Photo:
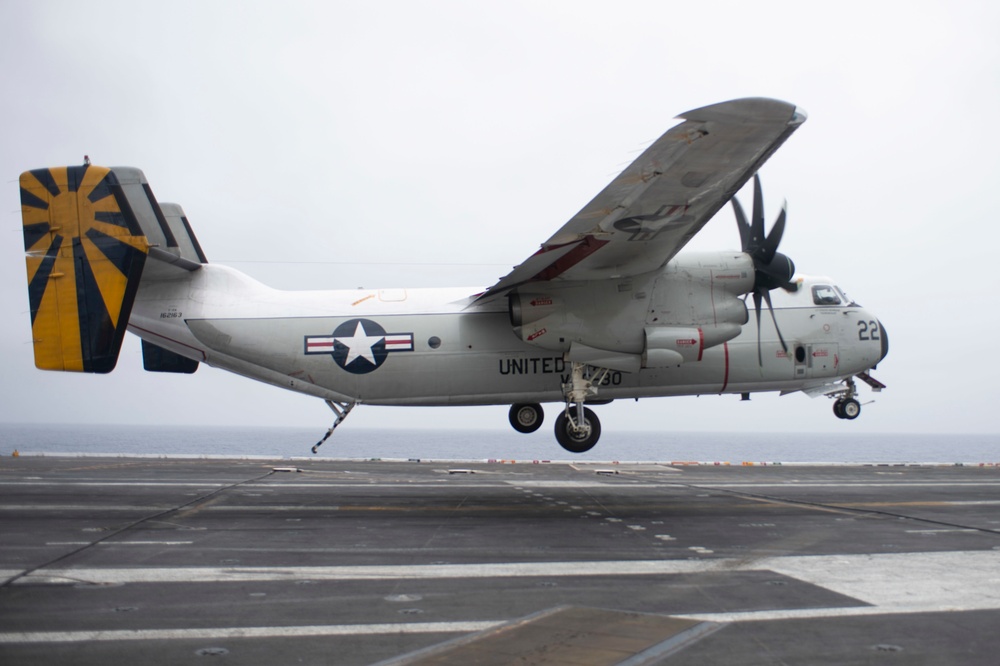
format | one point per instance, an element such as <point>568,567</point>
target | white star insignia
<point>360,345</point>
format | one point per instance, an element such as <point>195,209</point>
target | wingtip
<point>748,108</point>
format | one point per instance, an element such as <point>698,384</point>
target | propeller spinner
<point>772,269</point>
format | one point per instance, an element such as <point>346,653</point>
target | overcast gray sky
<point>438,143</point>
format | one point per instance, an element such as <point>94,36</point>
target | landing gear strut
<point>341,409</point>
<point>847,405</point>
<point>578,428</point>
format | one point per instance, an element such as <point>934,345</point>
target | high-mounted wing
<point>661,200</point>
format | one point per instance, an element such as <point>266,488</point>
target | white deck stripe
<point>890,583</point>
<point>281,486</point>
<point>850,484</point>
<point>859,576</point>
<point>812,613</point>
<point>377,572</point>
<point>623,481</point>
<point>893,583</point>
<point>245,632</point>
<point>141,484</point>
<point>284,508</point>
<point>90,508</point>
<point>119,543</point>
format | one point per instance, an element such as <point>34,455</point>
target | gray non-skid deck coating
<point>173,561</point>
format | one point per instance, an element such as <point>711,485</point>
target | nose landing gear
<point>847,408</point>
<point>846,405</point>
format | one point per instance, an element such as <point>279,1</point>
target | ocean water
<point>504,444</point>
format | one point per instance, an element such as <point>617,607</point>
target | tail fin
<point>88,232</point>
<point>85,253</point>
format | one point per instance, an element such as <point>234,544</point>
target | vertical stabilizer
<point>85,252</point>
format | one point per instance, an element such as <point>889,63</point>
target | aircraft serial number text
<point>548,366</point>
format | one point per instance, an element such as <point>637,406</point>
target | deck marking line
<point>244,632</point>
<point>120,543</point>
<point>892,583</point>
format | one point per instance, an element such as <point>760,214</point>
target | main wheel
<point>851,409</point>
<point>576,442</point>
<point>838,408</point>
<point>526,417</point>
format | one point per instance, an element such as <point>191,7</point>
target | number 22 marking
<point>868,330</point>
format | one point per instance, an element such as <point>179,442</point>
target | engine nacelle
<point>702,289</point>
<point>528,308</point>
<point>601,314</point>
<point>654,320</point>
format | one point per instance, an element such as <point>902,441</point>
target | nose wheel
<point>847,408</point>
<point>846,405</point>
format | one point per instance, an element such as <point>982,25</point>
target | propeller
<point>772,269</point>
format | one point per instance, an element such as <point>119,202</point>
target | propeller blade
<point>742,224</point>
<point>772,269</point>
<point>757,223</point>
<point>756,307</point>
<point>767,298</point>
<point>770,245</point>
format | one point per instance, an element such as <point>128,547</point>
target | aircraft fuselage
<point>430,347</point>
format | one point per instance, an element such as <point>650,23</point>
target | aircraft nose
<point>885,341</point>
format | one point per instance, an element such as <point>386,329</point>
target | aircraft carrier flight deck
<point>323,561</point>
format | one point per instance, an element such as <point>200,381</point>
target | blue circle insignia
<point>359,346</point>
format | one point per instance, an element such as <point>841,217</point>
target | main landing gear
<point>577,432</point>
<point>577,427</point>
<point>526,418</point>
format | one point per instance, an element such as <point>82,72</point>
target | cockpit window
<point>824,294</point>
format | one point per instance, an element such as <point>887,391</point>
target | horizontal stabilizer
<point>85,252</point>
<point>164,225</point>
<point>187,244</point>
<point>158,359</point>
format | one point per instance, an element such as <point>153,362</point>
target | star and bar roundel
<point>359,346</point>
<point>84,252</point>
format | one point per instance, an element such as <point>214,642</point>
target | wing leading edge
<point>660,201</point>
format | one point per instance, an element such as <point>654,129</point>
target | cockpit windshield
<point>824,294</point>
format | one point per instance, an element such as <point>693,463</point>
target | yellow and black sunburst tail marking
<point>85,253</point>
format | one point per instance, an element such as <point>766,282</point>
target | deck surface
<point>169,561</point>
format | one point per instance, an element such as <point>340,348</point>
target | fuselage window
<point>825,295</point>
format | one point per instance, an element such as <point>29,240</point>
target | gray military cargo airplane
<point>605,309</point>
